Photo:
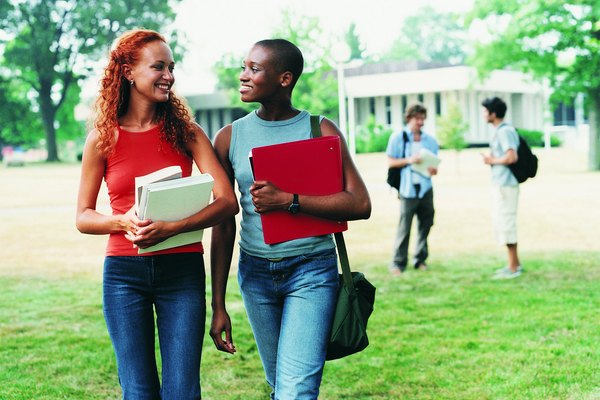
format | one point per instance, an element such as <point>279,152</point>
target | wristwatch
<point>295,206</point>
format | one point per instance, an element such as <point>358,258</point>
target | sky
<point>214,28</point>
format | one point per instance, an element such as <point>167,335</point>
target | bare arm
<point>221,251</point>
<point>351,203</point>
<point>88,220</point>
<point>509,157</point>
<point>223,206</point>
<point>403,162</point>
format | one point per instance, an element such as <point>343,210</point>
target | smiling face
<point>259,79</point>
<point>153,72</point>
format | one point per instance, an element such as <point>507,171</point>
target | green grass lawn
<point>447,333</point>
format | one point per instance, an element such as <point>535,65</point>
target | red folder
<point>310,167</point>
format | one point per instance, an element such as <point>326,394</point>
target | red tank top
<point>136,154</point>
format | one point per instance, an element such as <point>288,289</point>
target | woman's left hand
<point>268,197</point>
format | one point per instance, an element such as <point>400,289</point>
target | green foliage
<point>558,41</point>
<point>550,39</point>
<point>51,45</point>
<point>451,129</point>
<point>430,36</point>
<point>19,126</point>
<point>67,126</point>
<point>536,138</point>
<point>316,87</point>
<point>227,70</point>
<point>372,137</point>
<point>357,49</point>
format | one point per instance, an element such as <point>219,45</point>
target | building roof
<point>433,79</point>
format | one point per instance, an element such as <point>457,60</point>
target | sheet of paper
<point>428,159</point>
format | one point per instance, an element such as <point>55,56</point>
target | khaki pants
<point>505,201</point>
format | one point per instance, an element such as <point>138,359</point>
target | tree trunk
<point>48,113</point>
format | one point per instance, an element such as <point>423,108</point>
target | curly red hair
<point>173,115</point>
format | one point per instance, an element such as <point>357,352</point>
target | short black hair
<point>287,56</point>
<point>495,105</point>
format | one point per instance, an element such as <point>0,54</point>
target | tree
<point>357,49</point>
<point>18,123</point>
<point>430,36</point>
<point>451,129</point>
<point>314,91</point>
<point>50,44</point>
<point>556,40</point>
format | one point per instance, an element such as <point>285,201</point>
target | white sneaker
<point>506,269</point>
<point>507,274</point>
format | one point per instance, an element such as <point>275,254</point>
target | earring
<point>131,82</point>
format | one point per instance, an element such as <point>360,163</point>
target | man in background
<point>416,191</point>
<point>505,187</point>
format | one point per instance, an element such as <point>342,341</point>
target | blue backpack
<point>527,162</point>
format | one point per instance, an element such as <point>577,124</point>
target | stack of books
<point>165,196</point>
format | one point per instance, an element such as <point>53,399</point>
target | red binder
<point>310,167</point>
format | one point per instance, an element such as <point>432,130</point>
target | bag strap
<point>404,140</point>
<point>343,255</point>
<point>315,132</point>
<point>315,126</point>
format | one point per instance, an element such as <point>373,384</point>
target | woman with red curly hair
<point>140,127</point>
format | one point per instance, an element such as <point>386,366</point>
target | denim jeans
<point>173,285</point>
<point>290,303</point>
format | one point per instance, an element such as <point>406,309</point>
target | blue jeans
<point>173,285</point>
<point>290,304</point>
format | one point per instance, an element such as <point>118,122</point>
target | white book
<point>173,200</point>
<point>428,159</point>
<point>163,174</point>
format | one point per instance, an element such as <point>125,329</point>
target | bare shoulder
<point>329,128</point>
<point>223,137</point>
<point>199,132</point>
<point>93,136</point>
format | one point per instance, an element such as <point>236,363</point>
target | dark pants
<point>423,209</point>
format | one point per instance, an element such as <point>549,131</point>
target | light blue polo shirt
<point>394,149</point>
<point>504,139</point>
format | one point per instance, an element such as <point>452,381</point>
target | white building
<point>384,90</point>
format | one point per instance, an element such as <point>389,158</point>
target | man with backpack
<point>406,150</point>
<point>505,186</point>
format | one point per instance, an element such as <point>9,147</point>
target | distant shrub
<point>536,138</point>
<point>451,129</point>
<point>372,137</point>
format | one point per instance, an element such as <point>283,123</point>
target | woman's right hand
<point>221,323</point>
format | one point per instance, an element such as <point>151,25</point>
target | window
<point>372,105</point>
<point>564,114</point>
<point>388,109</point>
<point>438,104</point>
<point>421,97</point>
<point>404,103</point>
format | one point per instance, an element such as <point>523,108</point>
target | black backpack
<point>393,176</point>
<point>527,162</point>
